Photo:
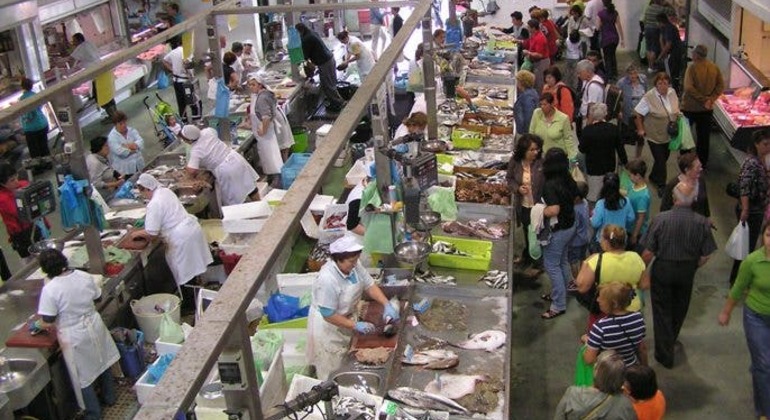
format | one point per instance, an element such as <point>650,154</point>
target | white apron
<point>267,145</point>
<point>235,179</point>
<point>187,252</point>
<point>88,350</point>
<point>327,344</point>
<point>283,129</point>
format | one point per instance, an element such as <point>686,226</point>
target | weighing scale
<point>36,201</point>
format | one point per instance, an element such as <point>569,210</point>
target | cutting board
<point>372,312</point>
<point>22,338</point>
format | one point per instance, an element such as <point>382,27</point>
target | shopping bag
<point>527,64</point>
<point>577,174</point>
<point>738,243</point>
<point>676,141</point>
<point>222,103</point>
<point>688,143</point>
<point>584,373</point>
<point>535,251</point>
<point>282,307</point>
<point>170,331</point>
<point>163,80</point>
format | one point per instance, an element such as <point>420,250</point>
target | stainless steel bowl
<point>38,247</point>
<point>411,252</point>
<point>433,146</point>
<point>430,219</point>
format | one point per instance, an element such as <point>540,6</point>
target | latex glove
<point>389,313</point>
<point>364,327</point>
<point>36,327</point>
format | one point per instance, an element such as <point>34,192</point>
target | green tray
<point>466,139</point>
<point>442,159</point>
<point>480,254</point>
<point>292,323</point>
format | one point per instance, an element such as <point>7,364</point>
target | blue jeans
<point>93,407</point>
<point>757,329</point>
<point>556,264</point>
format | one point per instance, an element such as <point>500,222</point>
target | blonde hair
<point>618,295</point>
<point>526,78</point>
<point>615,236</point>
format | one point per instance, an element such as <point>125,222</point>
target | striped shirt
<point>620,333</point>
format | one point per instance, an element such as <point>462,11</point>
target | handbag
<point>672,128</point>
<point>733,189</point>
<point>588,299</point>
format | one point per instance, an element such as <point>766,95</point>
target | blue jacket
<point>525,106</point>
<point>33,120</point>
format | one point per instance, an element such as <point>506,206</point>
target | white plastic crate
<point>302,384</point>
<point>166,348</point>
<point>356,174</point>
<point>294,284</point>
<point>330,235</point>
<point>237,243</point>
<point>245,218</point>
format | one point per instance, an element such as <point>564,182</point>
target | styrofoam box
<point>162,347</point>
<point>245,218</point>
<point>327,236</point>
<point>318,205</point>
<point>294,345</point>
<point>237,243</point>
<point>356,174</point>
<point>143,388</point>
<point>302,384</point>
<point>294,284</point>
<point>442,178</point>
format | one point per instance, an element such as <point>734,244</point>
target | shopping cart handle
<point>145,101</point>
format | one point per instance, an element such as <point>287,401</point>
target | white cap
<point>248,42</point>
<point>346,243</point>
<point>191,132</point>
<point>148,181</point>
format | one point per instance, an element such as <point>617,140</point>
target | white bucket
<point>149,319</point>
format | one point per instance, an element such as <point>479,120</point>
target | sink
<point>167,159</point>
<point>360,381</point>
<point>26,374</point>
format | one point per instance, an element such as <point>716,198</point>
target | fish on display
<point>353,408</point>
<point>441,247</point>
<point>420,399</point>
<point>488,340</point>
<point>437,359</point>
<point>495,279</point>
<point>454,386</point>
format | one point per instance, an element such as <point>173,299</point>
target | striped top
<point>620,333</point>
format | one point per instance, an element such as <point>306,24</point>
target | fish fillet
<point>454,386</point>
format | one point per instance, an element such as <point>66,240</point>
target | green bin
<point>300,139</point>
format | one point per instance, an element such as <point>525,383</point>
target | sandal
<point>551,314</point>
<point>546,297</point>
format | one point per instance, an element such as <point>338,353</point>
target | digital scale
<point>36,200</point>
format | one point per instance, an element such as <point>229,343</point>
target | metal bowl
<point>433,146</point>
<point>411,252</point>
<point>38,247</point>
<point>430,219</point>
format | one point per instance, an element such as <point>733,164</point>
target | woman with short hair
<point>600,142</point>
<point>553,126</point>
<point>126,146</point>
<point>563,100</point>
<point>526,100</point>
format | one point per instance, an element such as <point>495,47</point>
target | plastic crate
<point>491,57</point>
<point>479,259</point>
<point>446,163</point>
<point>467,139</point>
<point>292,323</point>
<point>292,168</point>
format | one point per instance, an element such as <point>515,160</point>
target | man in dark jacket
<point>317,53</point>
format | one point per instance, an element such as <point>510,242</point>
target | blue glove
<point>364,327</point>
<point>389,313</point>
<point>36,327</point>
<point>473,108</point>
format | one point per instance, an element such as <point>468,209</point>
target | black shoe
<point>668,364</point>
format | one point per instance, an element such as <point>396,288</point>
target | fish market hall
<point>398,209</point>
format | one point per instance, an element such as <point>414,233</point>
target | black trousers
<point>5,272</point>
<point>110,107</point>
<point>525,219</point>
<point>21,241</point>
<point>611,60</point>
<point>660,154</point>
<point>701,123</point>
<point>37,143</point>
<point>670,292</point>
<point>181,103</point>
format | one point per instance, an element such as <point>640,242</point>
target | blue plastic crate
<point>292,168</point>
<point>490,57</point>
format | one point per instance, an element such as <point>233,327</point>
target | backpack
<point>613,98</point>
<point>575,100</point>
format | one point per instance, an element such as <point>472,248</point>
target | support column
<point>429,76</point>
<point>212,33</point>
<point>378,110</point>
<point>237,363</point>
<point>70,125</point>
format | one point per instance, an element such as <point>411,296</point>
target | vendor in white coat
<point>357,52</point>
<point>187,252</point>
<point>266,124</point>
<point>236,180</point>
<point>88,349</point>
<point>336,292</point>
<point>126,146</point>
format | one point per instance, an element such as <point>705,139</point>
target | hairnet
<point>148,181</point>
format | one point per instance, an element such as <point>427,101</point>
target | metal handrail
<point>179,386</point>
<point>318,7</point>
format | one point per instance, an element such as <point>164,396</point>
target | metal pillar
<point>64,104</point>
<point>429,75</point>
<point>212,33</point>
<point>244,396</point>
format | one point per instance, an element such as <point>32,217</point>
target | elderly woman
<point>336,292</point>
<point>100,173</point>
<point>235,179</point>
<point>552,126</point>
<point>525,181</point>
<point>600,143</point>
<point>605,400</point>
<point>126,146</point>
<point>657,108</point>
<point>633,85</point>
<point>526,100</point>
<point>563,100</point>
<point>187,252</point>
<point>262,113</point>
<point>88,349</point>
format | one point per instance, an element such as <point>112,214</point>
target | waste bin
<point>300,139</point>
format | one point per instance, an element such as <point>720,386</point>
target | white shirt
<point>593,7</point>
<point>365,57</point>
<point>593,93</point>
<point>238,67</point>
<point>643,107</point>
<point>86,54</point>
<point>208,151</point>
<point>164,212</point>
<point>330,283</point>
<point>123,159</point>
<point>69,296</point>
<point>175,58</point>
<point>574,51</point>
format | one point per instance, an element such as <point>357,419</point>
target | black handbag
<point>672,129</point>
<point>733,189</point>
<point>589,298</point>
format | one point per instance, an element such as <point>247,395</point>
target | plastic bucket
<point>300,139</point>
<point>149,319</point>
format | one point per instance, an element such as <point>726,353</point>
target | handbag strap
<point>598,272</point>
<point>596,408</point>
<point>663,104</point>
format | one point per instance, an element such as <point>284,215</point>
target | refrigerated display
<point>745,106</point>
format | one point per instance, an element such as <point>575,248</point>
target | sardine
<point>488,340</point>
<point>454,386</point>
<point>420,399</point>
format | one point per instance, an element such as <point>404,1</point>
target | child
<point>641,386</point>
<point>573,55</point>
<point>639,196</point>
<point>173,124</point>
<point>579,244</point>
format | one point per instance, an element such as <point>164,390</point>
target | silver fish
<point>433,359</point>
<point>420,399</point>
<point>488,340</point>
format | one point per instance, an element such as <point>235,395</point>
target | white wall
<point>245,28</point>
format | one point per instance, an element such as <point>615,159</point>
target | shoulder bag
<point>588,299</point>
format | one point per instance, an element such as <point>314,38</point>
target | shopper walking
<point>652,32</point>
<point>173,62</point>
<point>126,146</point>
<point>262,118</point>
<point>526,101</point>
<point>691,172</point>
<point>600,142</point>
<point>525,181</point>
<point>642,388</point>
<point>612,208</point>
<point>680,240</point>
<point>621,330</point>
<point>703,84</point>
<point>633,85</point>
<point>379,34</point>
<point>753,282</point>
<point>35,127</point>
<point>553,126</point>
<point>316,52</point>
<point>672,48</point>
<point>611,35</point>
<point>562,93</point>
<point>85,55</point>
<point>591,91</point>
<point>538,52</point>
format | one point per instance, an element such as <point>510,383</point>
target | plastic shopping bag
<point>282,307</point>
<point>443,201</point>
<point>535,251</point>
<point>738,243</point>
<point>688,143</point>
<point>222,102</point>
<point>577,174</point>
<point>163,80</point>
<point>584,373</point>
<point>170,331</point>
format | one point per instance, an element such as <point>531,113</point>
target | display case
<point>745,106</point>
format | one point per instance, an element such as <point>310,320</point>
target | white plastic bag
<point>737,245</point>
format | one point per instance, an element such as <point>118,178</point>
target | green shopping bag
<point>584,373</point>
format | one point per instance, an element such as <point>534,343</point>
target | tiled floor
<point>126,405</point>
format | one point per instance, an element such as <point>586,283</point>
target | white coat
<point>267,145</point>
<point>187,252</point>
<point>86,344</point>
<point>327,344</point>
<point>283,129</point>
<point>235,177</point>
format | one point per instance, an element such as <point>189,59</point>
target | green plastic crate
<point>443,159</point>
<point>292,323</point>
<point>466,139</point>
<point>480,254</point>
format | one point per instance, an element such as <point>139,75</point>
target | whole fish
<point>420,399</point>
<point>455,386</point>
<point>433,359</point>
<point>488,340</point>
